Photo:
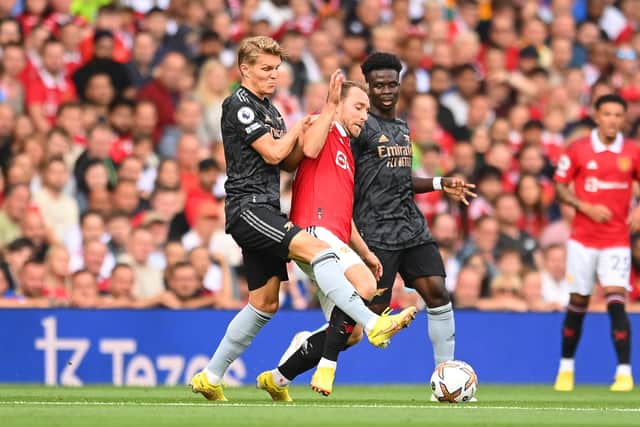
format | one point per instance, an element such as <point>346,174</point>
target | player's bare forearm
<point>275,151</point>
<point>293,160</point>
<point>566,196</point>
<point>315,136</point>
<point>422,185</point>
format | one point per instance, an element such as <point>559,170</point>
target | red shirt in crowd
<point>323,187</point>
<point>50,92</point>
<point>601,175</point>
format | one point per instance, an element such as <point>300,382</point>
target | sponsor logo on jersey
<point>592,165</point>
<point>341,160</point>
<point>624,164</point>
<point>246,115</point>
<point>593,185</point>
<point>383,139</point>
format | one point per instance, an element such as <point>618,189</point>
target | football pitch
<point>351,406</point>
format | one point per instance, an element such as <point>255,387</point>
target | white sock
<point>280,379</point>
<point>623,369</point>
<point>326,363</point>
<point>442,332</point>
<point>240,332</point>
<point>330,278</point>
<point>370,325</point>
<point>213,378</point>
<point>566,365</point>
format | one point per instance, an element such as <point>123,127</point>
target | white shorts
<point>608,266</point>
<point>348,258</point>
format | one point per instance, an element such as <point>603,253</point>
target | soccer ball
<point>454,381</point>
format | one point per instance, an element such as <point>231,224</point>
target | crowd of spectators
<point>112,167</point>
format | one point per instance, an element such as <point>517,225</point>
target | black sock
<point>620,329</point>
<point>338,333</point>
<point>305,358</point>
<point>571,330</point>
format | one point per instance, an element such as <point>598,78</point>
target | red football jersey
<point>601,175</point>
<point>50,92</point>
<point>323,187</point>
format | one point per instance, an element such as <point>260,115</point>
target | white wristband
<point>437,183</point>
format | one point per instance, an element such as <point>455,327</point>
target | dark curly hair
<point>381,61</point>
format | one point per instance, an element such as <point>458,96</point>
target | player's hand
<point>374,264</point>
<point>598,213</point>
<point>335,87</point>
<point>634,220</point>
<point>458,190</point>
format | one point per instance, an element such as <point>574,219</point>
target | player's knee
<point>433,290</point>
<point>355,337</point>
<point>265,305</point>
<point>579,300</point>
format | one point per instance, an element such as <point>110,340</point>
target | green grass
<point>348,406</point>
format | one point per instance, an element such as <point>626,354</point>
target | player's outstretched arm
<point>597,212</point>
<point>315,136</point>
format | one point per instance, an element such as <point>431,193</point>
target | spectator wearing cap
<point>208,216</point>
<point>163,90</point>
<point>103,61</point>
<point>528,59</point>
<point>148,279</point>
<point>48,88</point>
<point>158,225</point>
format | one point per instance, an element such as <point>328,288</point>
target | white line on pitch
<point>307,405</point>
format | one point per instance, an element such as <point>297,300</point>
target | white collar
<point>599,147</point>
<point>342,131</point>
<point>51,81</point>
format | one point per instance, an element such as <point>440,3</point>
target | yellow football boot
<point>266,382</point>
<point>564,381</point>
<point>388,325</point>
<point>200,384</point>
<point>322,380</point>
<point>622,383</point>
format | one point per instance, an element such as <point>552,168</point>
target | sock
<point>325,363</point>
<point>571,330</point>
<point>280,379</point>
<point>338,333</point>
<point>442,332</point>
<point>566,365</point>
<point>240,332</point>
<point>305,358</point>
<point>331,280</point>
<point>624,369</point>
<point>620,328</point>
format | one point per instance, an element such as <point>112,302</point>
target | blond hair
<point>348,84</point>
<point>251,47</point>
<point>202,91</point>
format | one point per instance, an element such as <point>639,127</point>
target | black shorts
<point>419,261</point>
<point>264,234</point>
